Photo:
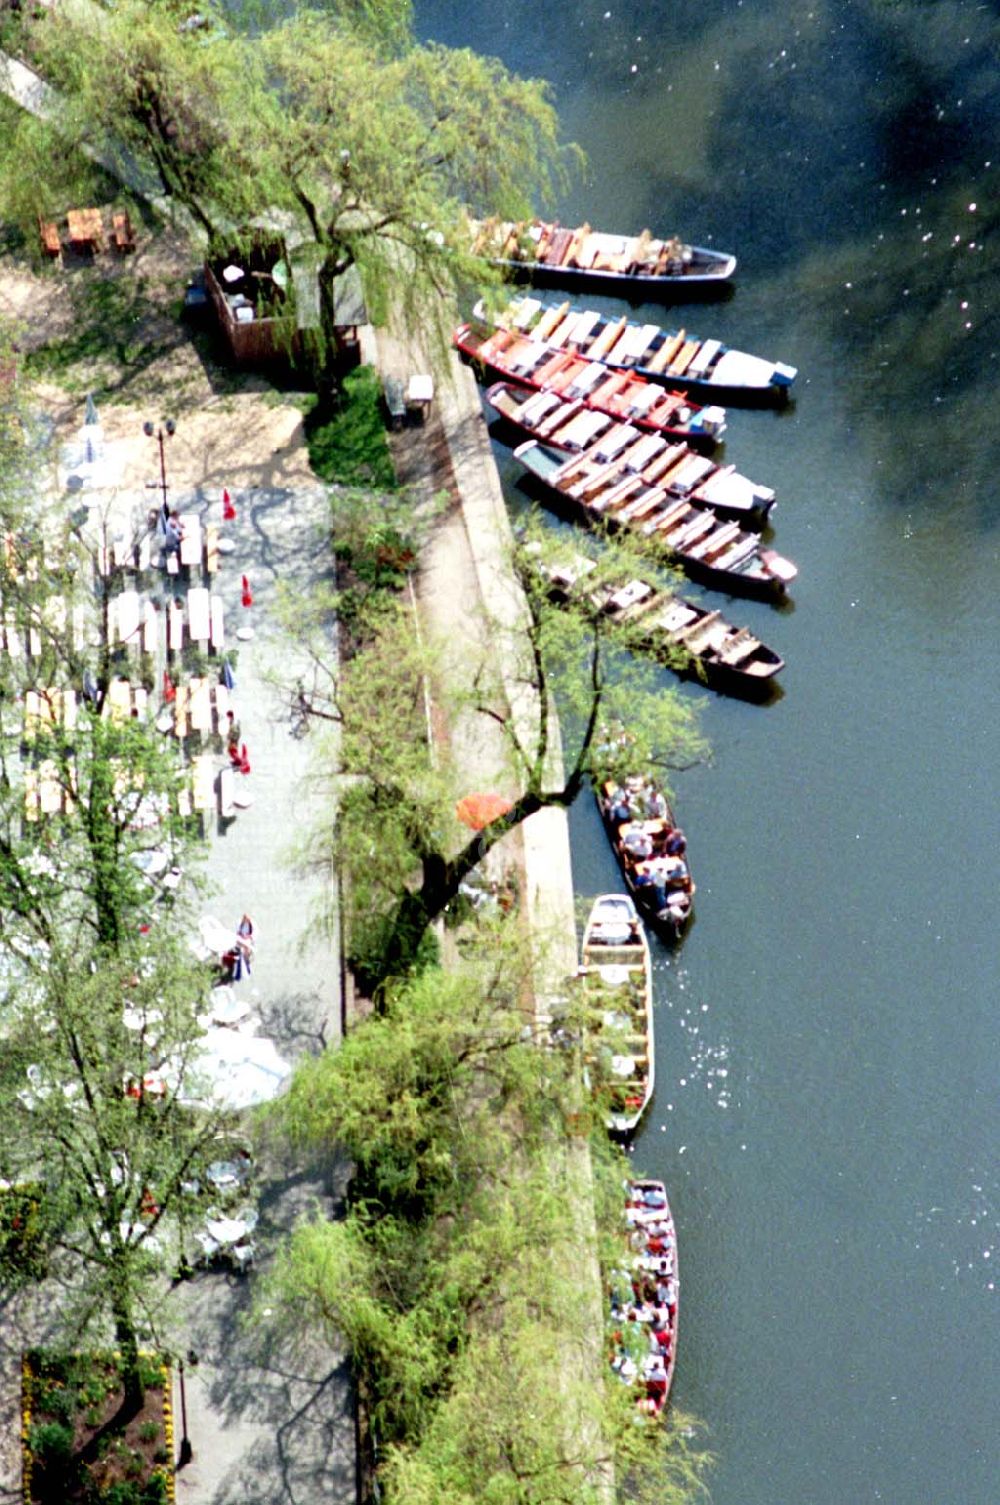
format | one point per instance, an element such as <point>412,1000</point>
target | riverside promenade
<point>470,604</point>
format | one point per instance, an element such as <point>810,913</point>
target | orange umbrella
<point>478,810</point>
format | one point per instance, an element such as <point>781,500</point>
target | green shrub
<point>155,1492</point>
<point>348,445</point>
<point>124,1492</point>
<point>59,1403</point>
<point>149,1431</point>
<point>51,1442</point>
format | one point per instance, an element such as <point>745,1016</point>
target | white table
<point>226,1231</point>
<point>199,614</point>
<point>191,540</point>
<point>128,616</point>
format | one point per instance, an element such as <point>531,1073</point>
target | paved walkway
<point>270,1419</point>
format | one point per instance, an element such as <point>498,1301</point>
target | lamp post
<point>161,433</point>
<point>186,1452</point>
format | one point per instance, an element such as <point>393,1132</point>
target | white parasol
<point>232,1070</point>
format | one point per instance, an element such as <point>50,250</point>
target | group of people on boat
<point>581,248</point>
<point>643,1305</point>
<point>652,849</point>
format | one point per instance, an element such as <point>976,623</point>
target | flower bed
<point>70,1455</point>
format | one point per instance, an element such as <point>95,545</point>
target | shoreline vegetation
<point>485,1194</point>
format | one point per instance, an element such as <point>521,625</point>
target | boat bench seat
<point>738,648</point>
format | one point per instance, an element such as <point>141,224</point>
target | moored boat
<point>681,471</point>
<point>645,1298</point>
<point>616,486</point>
<point>675,358</point>
<point>695,641</point>
<point>621,394</point>
<point>651,850</point>
<point>550,252</point>
<point>616,974</point>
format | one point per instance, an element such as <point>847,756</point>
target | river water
<point>825,1115</point>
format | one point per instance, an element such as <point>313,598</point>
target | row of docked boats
<point>546,250</point>
<point>595,387</point>
<point>569,424</point>
<point>607,413</point>
<point>674,358</point>
<point>694,640</point>
<point>644,1298</point>
<point>617,485</point>
<point>643,1292</point>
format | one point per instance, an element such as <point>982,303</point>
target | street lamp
<point>166,431</point>
<point>186,1452</point>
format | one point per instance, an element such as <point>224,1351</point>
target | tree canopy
<point>392,820</point>
<point>358,145</point>
<point>463,1277</point>
<point>97,985</point>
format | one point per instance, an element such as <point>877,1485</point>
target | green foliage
<point>459,1280</point>
<point>348,446</point>
<point>51,1442</point>
<point>371,143</point>
<point>23,1234</point>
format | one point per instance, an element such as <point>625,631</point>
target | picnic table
<point>85,228</point>
<point>190,539</point>
<point>199,613</point>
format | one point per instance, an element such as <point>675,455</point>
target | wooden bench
<point>212,548</point>
<point>48,232</point>
<point>684,359</point>
<point>661,360</point>
<point>608,337</point>
<point>121,232</point>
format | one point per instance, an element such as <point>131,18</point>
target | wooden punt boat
<point>570,426</point>
<point>651,850</point>
<point>617,978</point>
<point>675,358</point>
<point>645,1298</point>
<point>693,640</point>
<point>603,488</point>
<point>544,367</point>
<point>550,252</point>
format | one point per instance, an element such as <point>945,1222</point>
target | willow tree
<point>464,1279</point>
<point>540,692</point>
<point>96,984</point>
<point>366,148</point>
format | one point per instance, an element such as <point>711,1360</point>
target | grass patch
<point>348,445</point>
<point>112,335</point>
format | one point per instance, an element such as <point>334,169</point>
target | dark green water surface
<point>825,1115</point>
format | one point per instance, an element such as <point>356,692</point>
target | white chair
<point>208,1246</point>
<point>242,1256</point>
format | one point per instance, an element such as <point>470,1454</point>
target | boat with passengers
<point>644,1298</point>
<point>547,251</point>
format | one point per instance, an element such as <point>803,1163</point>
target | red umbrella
<point>247,592</point>
<point>479,810</point>
<point>228,510</point>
